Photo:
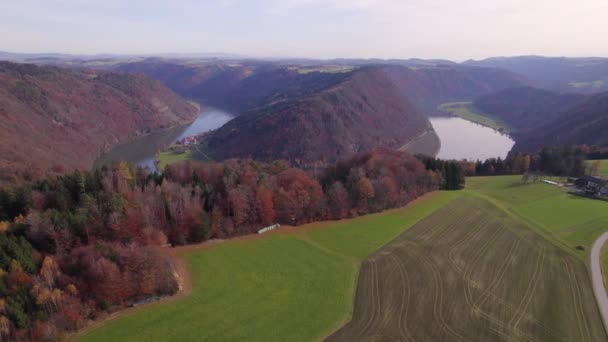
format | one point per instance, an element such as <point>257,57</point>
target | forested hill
<point>525,108</point>
<point>54,120</point>
<point>367,110</point>
<point>563,74</point>
<point>237,87</point>
<point>429,87</point>
<point>586,123</point>
<point>245,85</point>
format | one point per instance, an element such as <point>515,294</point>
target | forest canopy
<point>75,246</point>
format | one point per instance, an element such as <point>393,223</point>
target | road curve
<point>596,277</point>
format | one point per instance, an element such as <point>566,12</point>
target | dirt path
<point>597,279</point>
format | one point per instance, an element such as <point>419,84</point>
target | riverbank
<point>427,143</point>
<point>466,110</point>
<point>145,150</point>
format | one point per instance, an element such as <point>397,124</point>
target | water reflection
<point>462,139</point>
<point>142,151</point>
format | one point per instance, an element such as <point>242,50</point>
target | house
<point>191,140</point>
<point>592,185</point>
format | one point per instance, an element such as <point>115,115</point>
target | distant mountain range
<point>307,111</point>
<point>54,119</point>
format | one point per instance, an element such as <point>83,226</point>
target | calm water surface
<point>462,139</point>
<point>142,151</point>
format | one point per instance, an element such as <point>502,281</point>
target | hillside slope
<point>243,86</point>
<point>56,119</point>
<point>525,108</point>
<point>582,75</point>
<point>237,87</point>
<point>365,111</point>
<point>429,87</point>
<point>586,123</point>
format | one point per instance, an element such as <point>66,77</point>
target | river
<point>462,139</point>
<point>142,151</point>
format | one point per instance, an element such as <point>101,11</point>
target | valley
<point>145,151</point>
<point>56,120</point>
<point>303,170</point>
<point>217,149</point>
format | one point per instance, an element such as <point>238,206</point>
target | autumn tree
<point>265,206</point>
<point>595,168</point>
<point>338,200</point>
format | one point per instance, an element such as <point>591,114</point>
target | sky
<point>450,29</point>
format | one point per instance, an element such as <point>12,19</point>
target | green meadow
<point>169,157</point>
<point>299,284</point>
<point>296,286</point>
<point>603,171</point>
<point>467,111</point>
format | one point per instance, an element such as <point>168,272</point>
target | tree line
<point>75,246</point>
<point>565,161</point>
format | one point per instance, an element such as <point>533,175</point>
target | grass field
<point>605,264</point>
<point>471,272</point>
<point>299,284</point>
<point>603,167</point>
<point>296,285</point>
<point>169,157</point>
<point>567,220</point>
<point>332,69</point>
<point>466,111</point>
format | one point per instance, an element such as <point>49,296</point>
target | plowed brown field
<point>470,272</point>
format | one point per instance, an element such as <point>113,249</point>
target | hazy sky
<point>453,29</point>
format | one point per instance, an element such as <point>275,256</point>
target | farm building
<point>592,185</point>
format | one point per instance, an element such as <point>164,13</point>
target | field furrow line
<point>529,294</point>
<point>438,313</point>
<point>577,300</point>
<point>405,299</point>
<point>501,273</point>
<point>556,335</point>
<point>472,233</point>
<point>468,291</point>
<point>373,295</point>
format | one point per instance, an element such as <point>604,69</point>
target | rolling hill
<point>366,110</point>
<point>525,107</point>
<point>585,123</point>
<point>429,87</point>
<point>237,87</point>
<point>358,110</point>
<point>583,75</point>
<point>54,119</point>
<point>245,85</point>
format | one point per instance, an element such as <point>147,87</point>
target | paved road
<point>597,279</point>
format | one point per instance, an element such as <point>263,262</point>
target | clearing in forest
<point>470,272</point>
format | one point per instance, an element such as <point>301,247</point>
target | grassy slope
<point>466,111</point>
<point>603,167</point>
<point>475,265</point>
<point>169,157</point>
<point>297,285</point>
<point>568,220</point>
<point>605,264</point>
